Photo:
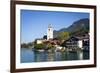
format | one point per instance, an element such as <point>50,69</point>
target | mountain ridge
<point>78,27</point>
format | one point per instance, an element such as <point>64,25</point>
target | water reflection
<point>33,56</point>
<point>80,55</point>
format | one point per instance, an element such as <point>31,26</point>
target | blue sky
<point>34,23</point>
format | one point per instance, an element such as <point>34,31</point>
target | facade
<point>49,32</point>
<point>39,41</point>
<point>80,43</point>
<point>72,43</point>
<point>77,42</point>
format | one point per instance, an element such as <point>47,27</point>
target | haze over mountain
<point>78,27</point>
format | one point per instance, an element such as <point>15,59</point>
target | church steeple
<point>49,32</point>
<point>49,26</point>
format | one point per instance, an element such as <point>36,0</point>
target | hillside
<point>78,27</point>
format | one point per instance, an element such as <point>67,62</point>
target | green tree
<point>39,46</point>
<point>63,36</point>
<point>24,45</point>
<point>50,46</point>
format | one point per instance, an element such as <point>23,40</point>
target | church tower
<point>49,32</point>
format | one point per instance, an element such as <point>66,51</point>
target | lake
<point>29,55</point>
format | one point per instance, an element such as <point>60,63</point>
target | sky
<point>34,23</point>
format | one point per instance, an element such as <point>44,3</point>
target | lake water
<point>28,55</point>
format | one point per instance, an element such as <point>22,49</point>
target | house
<point>72,42</point>
<point>77,42</point>
<point>85,40</point>
<point>39,41</point>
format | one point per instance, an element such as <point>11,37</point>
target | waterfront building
<point>39,41</point>
<point>77,42</point>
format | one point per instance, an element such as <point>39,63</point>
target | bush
<point>50,46</point>
<point>39,46</point>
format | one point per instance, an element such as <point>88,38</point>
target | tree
<point>63,36</point>
<point>24,45</point>
<point>50,46</point>
<point>39,46</point>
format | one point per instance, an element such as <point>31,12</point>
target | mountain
<point>78,27</point>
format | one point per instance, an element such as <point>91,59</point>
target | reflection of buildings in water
<point>50,57</point>
<point>39,57</point>
<point>33,55</point>
<point>65,55</point>
<point>43,56</point>
<point>80,55</point>
<point>58,56</point>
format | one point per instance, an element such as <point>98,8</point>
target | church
<point>49,32</point>
<point>49,35</point>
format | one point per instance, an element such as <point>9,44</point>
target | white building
<point>49,32</point>
<point>80,44</point>
<point>39,41</point>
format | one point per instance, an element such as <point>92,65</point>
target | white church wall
<point>49,32</point>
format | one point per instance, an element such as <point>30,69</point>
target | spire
<point>49,32</point>
<point>49,26</point>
